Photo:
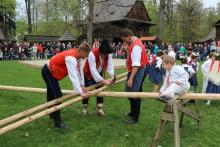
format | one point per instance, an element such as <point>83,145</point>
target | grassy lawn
<point>93,130</point>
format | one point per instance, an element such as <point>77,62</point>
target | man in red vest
<point>136,62</point>
<point>99,61</point>
<point>66,63</point>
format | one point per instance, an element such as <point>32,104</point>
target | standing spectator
<point>182,49</point>
<point>95,44</point>
<point>156,48</point>
<point>62,47</point>
<point>40,51</point>
<point>34,51</point>
<point>163,46</point>
<point>69,45</point>
<point>124,48</point>
<point>212,47</point>
<point>114,50</point>
<point>171,52</point>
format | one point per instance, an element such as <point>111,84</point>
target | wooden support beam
<point>51,110</point>
<point>188,112</point>
<point>176,126</point>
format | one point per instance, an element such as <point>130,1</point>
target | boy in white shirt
<point>176,80</point>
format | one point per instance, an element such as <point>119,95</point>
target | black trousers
<point>90,83</point>
<point>53,90</point>
<point>135,103</point>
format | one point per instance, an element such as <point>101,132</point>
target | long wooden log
<point>50,110</point>
<point>40,66</point>
<point>42,90</point>
<point>48,104</point>
<point>34,109</point>
<point>151,95</point>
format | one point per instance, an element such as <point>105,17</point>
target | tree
<point>7,17</point>
<point>190,12</point>
<point>28,10</point>
<point>90,21</point>
<point>161,18</point>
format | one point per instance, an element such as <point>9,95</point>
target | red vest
<point>138,42</point>
<point>57,63</point>
<point>97,60</point>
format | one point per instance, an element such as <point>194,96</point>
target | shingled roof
<point>40,38</point>
<point>114,10</point>
<point>210,37</point>
<point>217,23</point>
<point>67,37</point>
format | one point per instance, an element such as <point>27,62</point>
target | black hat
<point>105,47</point>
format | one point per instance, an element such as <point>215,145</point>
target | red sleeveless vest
<point>86,68</point>
<point>138,42</point>
<point>57,63</point>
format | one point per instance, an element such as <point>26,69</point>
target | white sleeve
<point>71,65</point>
<point>159,63</point>
<point>183,75</point>
<point>191,70</point>
<point>110,67</point>
<point>81,74</point>
<point>92,64</point>
<point>205,67</point>
<point>136,56</point>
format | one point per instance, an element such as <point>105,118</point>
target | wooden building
<point>214,35</point>
<point>217,35</point>
<point>111,16</point>
<point>41,38</point>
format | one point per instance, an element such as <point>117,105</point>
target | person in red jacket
<point>99,61</point>
<point>136,63</point>
<point>59,66</point>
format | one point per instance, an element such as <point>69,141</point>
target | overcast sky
<point>210,3</point>
<point>207,3</point>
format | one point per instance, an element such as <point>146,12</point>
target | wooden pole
<point>42,90</point>
<point>50,110</point>
<point>152,95</point>
<point>45,105</point>
<point>40,66</point>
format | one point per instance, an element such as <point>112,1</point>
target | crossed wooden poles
<point>170,113</point>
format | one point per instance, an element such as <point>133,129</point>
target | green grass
<point>93,130</point>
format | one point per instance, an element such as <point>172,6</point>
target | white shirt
<point>177,73</point>
<point>136,55</point>
<point>96,73</point>
<point>76,75</point>
<point>205,67</point>
<point>159,62</point>
<point>34,49</point>
<point>172,54</point>
<point>190,69</point>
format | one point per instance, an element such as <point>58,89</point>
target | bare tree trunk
<point>161,18</point>
<point>90,21</point>
<point>55,4</point>
<point>33,14</point>
<point>36,18</point>
<point>47,15</point>
<point>28,10</point>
